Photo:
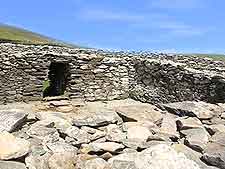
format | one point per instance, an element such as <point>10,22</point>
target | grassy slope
<point>18,35</point>
<point>213,56</point>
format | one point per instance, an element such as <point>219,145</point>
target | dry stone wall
<point>163,81</point>
<point>102,75</point>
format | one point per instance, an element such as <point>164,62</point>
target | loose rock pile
<point>115,135</point>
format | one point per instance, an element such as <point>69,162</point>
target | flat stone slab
<point>97,119</point>
<point>12,147</point>
<point>11,119</point>
<point>201,110</point>
<point>139,113</point>
<point>11,165</point>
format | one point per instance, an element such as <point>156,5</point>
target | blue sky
<point>155,25</point>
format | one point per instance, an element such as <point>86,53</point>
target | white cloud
<point>145,21</point>
<point>106,15</point>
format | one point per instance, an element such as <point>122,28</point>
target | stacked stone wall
<point>103,75</point>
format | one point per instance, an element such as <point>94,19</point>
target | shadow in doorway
<point>58,79</point>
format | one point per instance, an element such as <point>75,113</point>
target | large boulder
<point>196,138</point>
<point>11,119</point>
<point>12,147</point>
<point>140,113</point>
<point>191,154</point>
<point>201,110</point>
<point>157,157</point>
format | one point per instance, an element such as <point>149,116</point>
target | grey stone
<point>218,138</point>
<point>212,129</point>
<point>37,161</point>
<point>118,164</point>
<point>97,119</point>
<point>60,147</point>
<point>114,133</point>
<point>79,136</point>
<point>191,154</point>
<point>105,147</point>
<point>196,138</point>
<point>65,160</point>
<point>201,110</point>
<point>40,131</point>
<point>140,113</point>
<point>11,165</point>
<point>97,163</point>
<point>188,123</point>
<point>11,119</point>
<point>159,156</point>
<point>214,155</point>
<point>169,126</point>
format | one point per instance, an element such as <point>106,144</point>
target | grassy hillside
<point>18,35</point>
<point>213,56</point>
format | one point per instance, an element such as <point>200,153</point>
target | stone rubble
<point>109,139</point>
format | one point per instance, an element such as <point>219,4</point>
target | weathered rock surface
<point>107,146</point>
<point>139,133</point>
<point>138,113</point>
<point>98,137</point>
<point>188,123</point>
<point>114,133</point>
<point>214,154</point>
<point>60,147</point>
<point>169,126</point>
<point>196,138</point>
<point>11,165</point>
<point>41,130</point>
<point>160,156</point>
<point>77,136</point>
<point>65,160</point>
<point>34,161</point>
<point>12,147</point>
<point>11,119</point>
<point>201,110</point>
<point>97,119</point>
<point>191,154</point>
<point>96,163</point>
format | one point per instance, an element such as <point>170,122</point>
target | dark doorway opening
<point>58,79</point>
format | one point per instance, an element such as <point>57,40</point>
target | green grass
<point>218,57</point>
<point>46,84</point>
<point>18,35</point>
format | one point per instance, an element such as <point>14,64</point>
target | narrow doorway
<point>58,79</point>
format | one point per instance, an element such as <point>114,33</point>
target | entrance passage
<point>58,79</point>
